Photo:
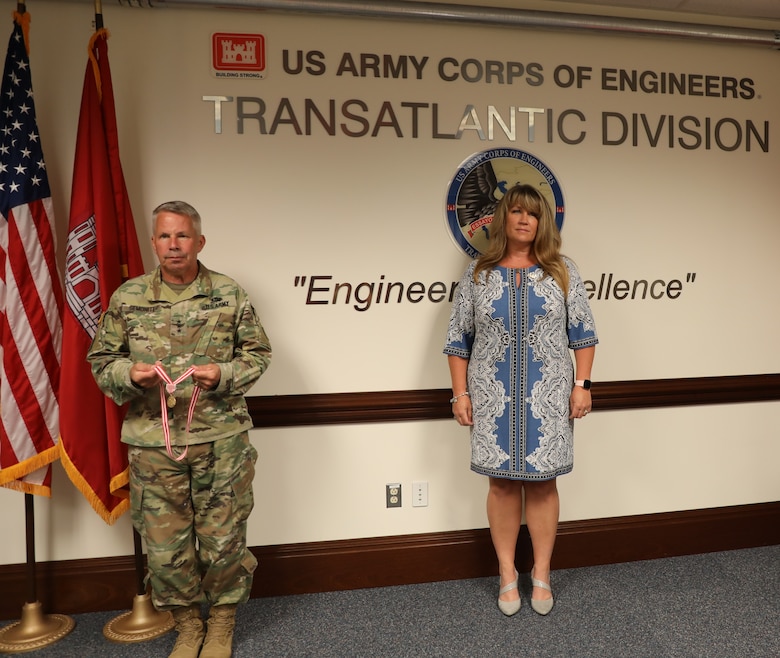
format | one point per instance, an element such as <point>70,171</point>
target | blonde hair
<point>546,247</point>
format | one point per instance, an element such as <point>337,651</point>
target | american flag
<point>30,289</point>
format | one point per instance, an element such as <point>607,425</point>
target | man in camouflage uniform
<point>191,462</point>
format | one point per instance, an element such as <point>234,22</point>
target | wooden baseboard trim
<point>104,584</point>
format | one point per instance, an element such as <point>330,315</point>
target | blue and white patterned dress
<point>520,373</point>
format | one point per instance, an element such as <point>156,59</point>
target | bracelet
<point>455,399</point>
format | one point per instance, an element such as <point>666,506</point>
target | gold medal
<point>171,401</point>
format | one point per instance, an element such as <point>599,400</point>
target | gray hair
<point>179,208</point>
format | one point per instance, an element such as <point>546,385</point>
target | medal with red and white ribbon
<point>168,399</point>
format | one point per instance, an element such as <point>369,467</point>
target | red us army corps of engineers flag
<point>102,252</point>
<point>30,292</point>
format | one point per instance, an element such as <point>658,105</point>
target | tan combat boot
<point>190,628</point>
<point>219,639</point>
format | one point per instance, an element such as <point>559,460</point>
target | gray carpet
<point>717,605</point>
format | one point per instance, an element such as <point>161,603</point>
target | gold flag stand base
<point>34,630</point>
<point>142,623</point>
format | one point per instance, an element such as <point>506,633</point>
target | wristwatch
<point>585,383</point>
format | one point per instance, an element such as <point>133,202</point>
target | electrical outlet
<point>393,494</point>
<point>419,494</point>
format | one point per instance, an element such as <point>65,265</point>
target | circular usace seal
<point>480,183</point>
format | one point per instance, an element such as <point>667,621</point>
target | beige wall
<point>279,206</point>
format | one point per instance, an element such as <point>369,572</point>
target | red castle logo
<point>238,52</point>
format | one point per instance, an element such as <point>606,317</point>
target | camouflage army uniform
<point>207,495</point>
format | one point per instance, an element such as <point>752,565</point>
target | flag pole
<point>98,15</point>
<point>34,630</point>
<point>143,622</point>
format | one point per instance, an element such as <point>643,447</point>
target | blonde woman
<point>520,309</point>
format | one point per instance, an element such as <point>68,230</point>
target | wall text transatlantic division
<point>411,119</point>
